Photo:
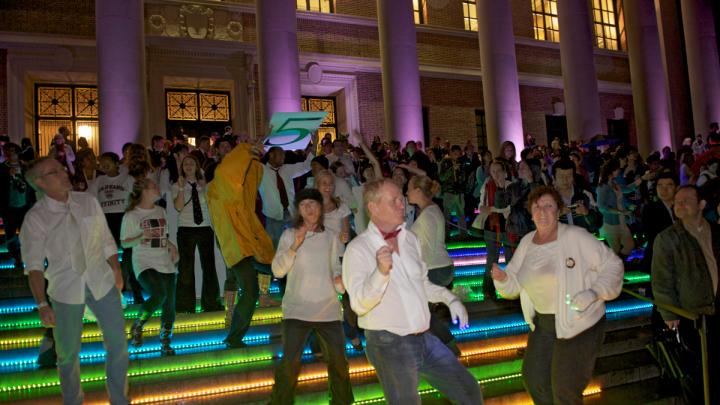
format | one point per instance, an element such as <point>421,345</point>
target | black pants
<point>242,276</point>
<point>440,318</point>
<point>556,371</point>
<point>330,334</point>
<point>13,220</point>
<point>161,287</point>
<point>131,282</point>
<point>691,337</point>
<point>114,221</point>
<point>188,239</point>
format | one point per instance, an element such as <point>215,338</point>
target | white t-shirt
<point>310,294</point>
<point>151,251</point>
<point>538,276</point>
<point>186,217</point>
<point>112,193</point>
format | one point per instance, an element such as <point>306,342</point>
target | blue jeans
<point>161,287</point>
<point>275,228</point>
<point>68,336</point>
<point>400,361</point>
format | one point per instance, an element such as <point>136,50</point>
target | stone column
<point>676,77</point>
<point>120,37</point>
<point>501,91</point>
<point>582,102</point>
<point>400,71</point>
<point>702,62</point>
<point>650,98</point>
<point>278,65</point>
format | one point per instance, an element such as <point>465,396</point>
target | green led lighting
<point>634,277</point>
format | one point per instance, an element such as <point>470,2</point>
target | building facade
<point>479,70</point>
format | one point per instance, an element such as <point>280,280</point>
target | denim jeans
<point>556,371</point>
<point>242,276</point>
<point>400,361</point>
<point>294,334</point>
<point>275,228</point>
<point>494,241</point>
<point>68,336</point>
<point>161,287</point>
<point>204,239</point>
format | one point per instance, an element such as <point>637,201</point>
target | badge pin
<point>570,262</point>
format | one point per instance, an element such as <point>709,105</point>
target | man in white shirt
<point>69,230</point>
<point>338,154</point>
<point>277,207</point>
<point>390,295</point>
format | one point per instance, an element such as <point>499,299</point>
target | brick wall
<point>360,8</point>
<point>541,60</point>
<point>608,102</point>
<point>370,105</point>
<point>448,50</point>
<point>522,18</point>
<point>451,108</point>
<point>613,69</point>
<point>449,16</point>
<point>337,39</point>
<point>3,93</point>
<point>70,17</point>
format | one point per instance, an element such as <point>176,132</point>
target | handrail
<point>668,307</point>
<point>702,331</point>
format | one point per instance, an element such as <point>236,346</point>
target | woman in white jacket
<point>563,276</point>
<point>309,255</point>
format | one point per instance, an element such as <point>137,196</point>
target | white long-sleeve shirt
<point>310,294</point>
<point>272,206</point>
<point>396,302</point>
<point>429,228</point>
<point>49,233</point>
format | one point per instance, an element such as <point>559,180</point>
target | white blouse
<point>538,276</point>
<point>310,294</point>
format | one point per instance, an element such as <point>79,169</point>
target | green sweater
<point>680,274</point>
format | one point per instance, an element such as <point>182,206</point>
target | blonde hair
<point>136,194</point>
<point>326,173</point>
<point>428,186</point>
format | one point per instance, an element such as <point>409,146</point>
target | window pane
<point>302,4</point>
<point>47,130</point>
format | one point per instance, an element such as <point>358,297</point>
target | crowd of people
<point>367,222</point>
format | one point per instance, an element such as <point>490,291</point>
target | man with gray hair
<point>69,231</point>
<point>390,295</point>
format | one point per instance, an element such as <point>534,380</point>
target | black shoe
<point>47,357</point>
<point>166,350</point>
<point>231,345</point>
<point>136,332</point>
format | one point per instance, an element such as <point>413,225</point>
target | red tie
<point>390,235</point>
<point>281,189</point>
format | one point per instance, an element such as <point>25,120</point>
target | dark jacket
<point>655,219</point>
<point>593,220</point>
<point>680,274</point>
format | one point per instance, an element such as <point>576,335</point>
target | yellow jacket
<point>231,200</point>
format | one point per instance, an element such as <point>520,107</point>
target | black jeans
<point>204,239</point>
<point>13,220</point>
<point>114,221</point>
<point>439,312</point>
<point>242,276</point>
<point>131,282</point>
<point>161,287</point>
<point>556,371</point>
<point>294,334</point>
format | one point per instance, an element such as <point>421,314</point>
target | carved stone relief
<point>193,21</point>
